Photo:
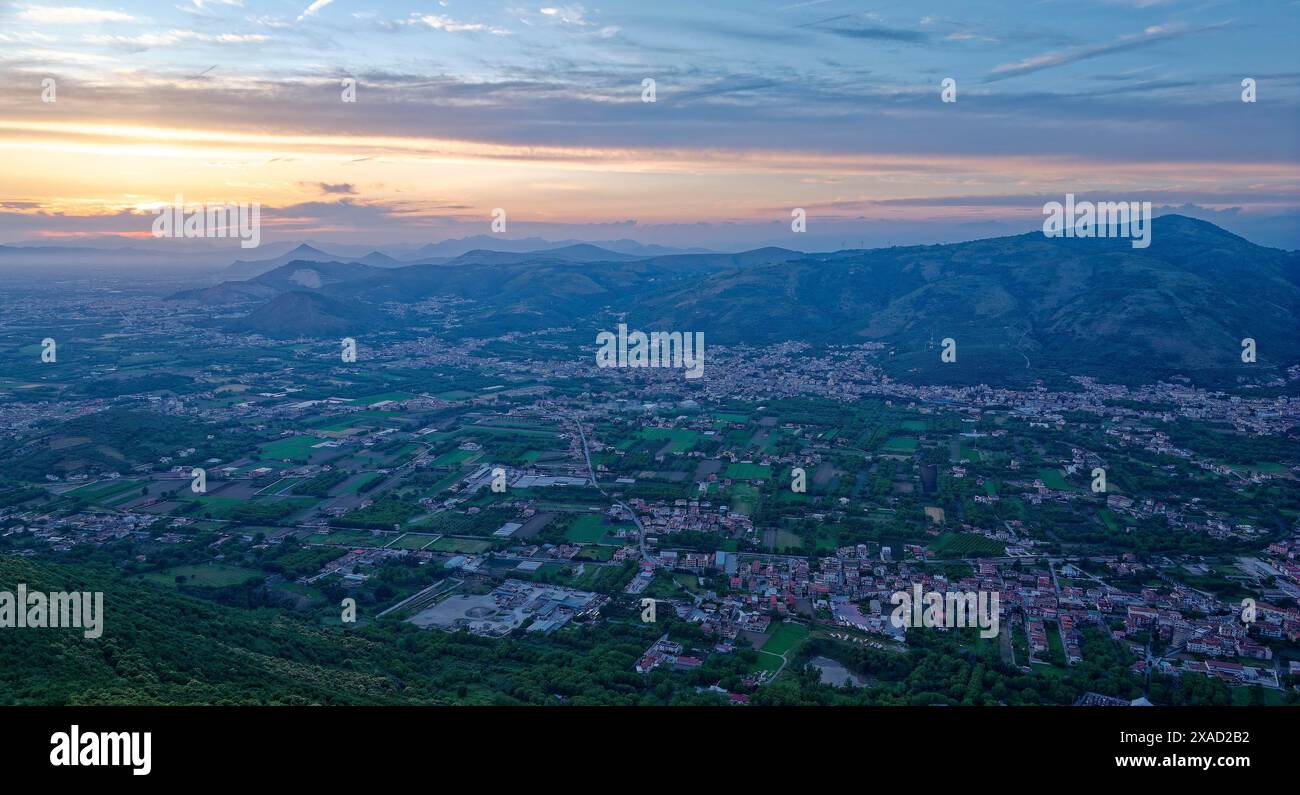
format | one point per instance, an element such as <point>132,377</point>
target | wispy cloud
<point>873,31</point>
<point>448,25</point>
<point>71,15</point>
<point>312,9</point>
<point>568,15</point>
<point>203,4</point>
<point>175,36</point>
<point>1152,35</point>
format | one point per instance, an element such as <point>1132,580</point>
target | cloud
<point>449,25</point>
<point>26,36</point>
<point>341,187</point>
<point>1152,35</point>
<point>965,36</point>
<point>174,36</point>
<point>880,33</point>
<point>311,10</point>
<point>71,15</point>
<point>202,4</point>
<point>568,15</point>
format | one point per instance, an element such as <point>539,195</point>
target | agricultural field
<point>784,637</point>
<point>1053,479</point>
<point>293,448</point>
<point>964,545</point>
<point>100,492</point>
<point>744,498</point>
<point>349,538</point>
<point>370,400</point>
<point>589,529</point>
<point>682,439</point>
<point>280,487</point>
<point>413,541</point>
<point>461,546</point>
<point>900,445</point>
<point>596,553</point>
<point>455,458</point>
<point>743,471</point>
<point>364,480</point>
<point>483,523</point>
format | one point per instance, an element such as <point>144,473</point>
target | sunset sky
<point>762,106</point>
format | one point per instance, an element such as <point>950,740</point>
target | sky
<point>761,106</point>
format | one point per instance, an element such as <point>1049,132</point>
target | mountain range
<point>205,254</point>
<point>1023,303</point>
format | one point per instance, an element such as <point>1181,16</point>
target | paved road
<point>586,452</point>
<point>1060,627</point>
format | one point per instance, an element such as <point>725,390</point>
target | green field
<point>463,546</point>
<point>349,538</point>
<point>916,426</point>
<point>337,425</point>
<point>767,662</point>
<point>294,448</point>
<point>445,482</point>
<point>97,492</point>
<point>900,444</point>
<point>588,529</point>
<point>784,638</point>
<point>496,430</point>
<point>454,457</point>
<point>592,552</point>
<point>1053,479</point>
<point>747,472</point>
<point>257,509</point>
<point>281,486</point>
<point>743,498</point>
<point>412,541</point>
<point>683,439</point>
<point>787,540</point>
<point>455,523</point>
<point>370,400</point>
<point>1261,467</point>
<point>357,483</point>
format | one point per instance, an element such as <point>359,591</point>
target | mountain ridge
<point>1077,305</point>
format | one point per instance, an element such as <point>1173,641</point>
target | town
<point>509,486</point>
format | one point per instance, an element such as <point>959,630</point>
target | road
<point>640,528</point>
<point>1060,627</point>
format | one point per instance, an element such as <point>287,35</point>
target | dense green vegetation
<point>160,647</point>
